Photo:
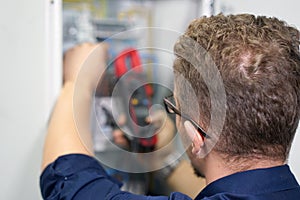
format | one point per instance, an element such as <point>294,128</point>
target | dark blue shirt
<point>81,177</point>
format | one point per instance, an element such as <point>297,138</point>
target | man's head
<point>259,61</point>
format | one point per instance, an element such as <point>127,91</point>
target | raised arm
<point>69,126</point>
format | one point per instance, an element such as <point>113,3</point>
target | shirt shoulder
<point>274,183</point>
<point>81,177</point>
<point>290,195</point>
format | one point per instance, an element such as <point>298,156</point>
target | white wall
<point>25,96</point>
<point>288,11</point>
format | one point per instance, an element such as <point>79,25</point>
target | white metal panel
<point>27,94</point>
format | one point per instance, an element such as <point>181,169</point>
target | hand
<point>85,63</point>
<point>118,135</point>
<point>159,119</point>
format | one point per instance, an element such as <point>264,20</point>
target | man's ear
<point>194,136</point>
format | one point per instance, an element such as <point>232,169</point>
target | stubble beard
<point>197,172</point>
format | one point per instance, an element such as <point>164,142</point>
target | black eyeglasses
<point>171,108</point>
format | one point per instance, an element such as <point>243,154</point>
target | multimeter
<point>139,101</point>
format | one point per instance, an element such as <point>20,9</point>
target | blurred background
<point>35,34</point>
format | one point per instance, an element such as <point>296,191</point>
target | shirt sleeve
<point>81,177</point>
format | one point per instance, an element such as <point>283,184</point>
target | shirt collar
<point>252,182</point>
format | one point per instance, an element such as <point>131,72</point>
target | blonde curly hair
<point>259,61</point>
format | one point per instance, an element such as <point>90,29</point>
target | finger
<point>119,138</point>
<point>157,118</point>
<point>121,120</point>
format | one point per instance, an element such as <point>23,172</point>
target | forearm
<point>66,135</point>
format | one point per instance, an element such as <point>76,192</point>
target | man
<point>258,61</point>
